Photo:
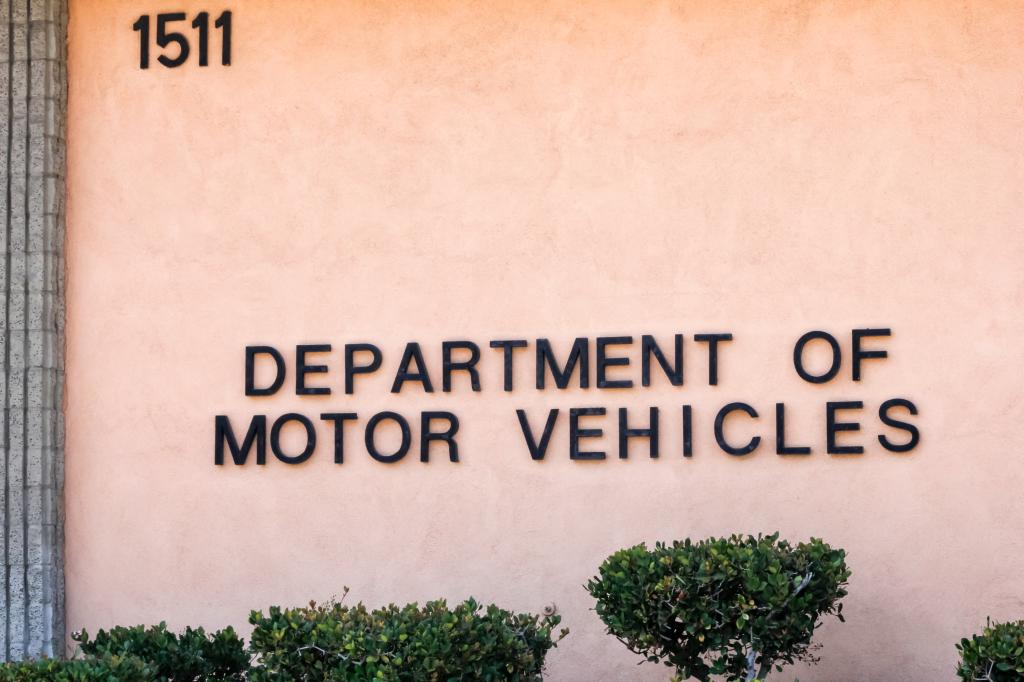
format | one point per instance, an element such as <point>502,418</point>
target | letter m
<point>225,434</point>
<point>578,355</point>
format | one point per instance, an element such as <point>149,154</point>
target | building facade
<point>447,299</point>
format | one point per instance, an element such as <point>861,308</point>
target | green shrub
<point>112,669</point>
<point>397,644</point>
<point>736,607</point>
<point>996,655</point>
<point>192,655</point>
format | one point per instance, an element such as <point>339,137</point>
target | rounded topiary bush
<point>410,643</point>
<point>738,607</point>
<point>996,655</point>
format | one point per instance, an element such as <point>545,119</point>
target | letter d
<point>250,370</point>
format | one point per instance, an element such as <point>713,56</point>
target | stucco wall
<point>410,171</point>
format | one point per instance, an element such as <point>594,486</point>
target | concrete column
<point>34,95</point>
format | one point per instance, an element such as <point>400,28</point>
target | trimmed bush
<point>996,655</point>
<point>113,669</point>
<point>431,643</point>
<point>191,655</point>
<point>736,607</point>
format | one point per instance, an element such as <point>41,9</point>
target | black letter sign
<point>720,429</point>
<point>250,370</point>
<point>798,357</point>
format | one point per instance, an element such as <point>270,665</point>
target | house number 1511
<point>165,38</point>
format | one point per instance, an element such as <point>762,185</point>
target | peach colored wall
<point>399,171</point>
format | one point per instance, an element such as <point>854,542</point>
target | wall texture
<point>33,77</point>
<point>417,170</point>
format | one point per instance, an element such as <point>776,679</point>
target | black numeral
<point>224,23</point>
<point>202,22</point>
<point>142,26</point>
<point>163,39</point>
<point>175,44</point>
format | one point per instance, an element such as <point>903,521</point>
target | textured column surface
<point>33,83</point>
